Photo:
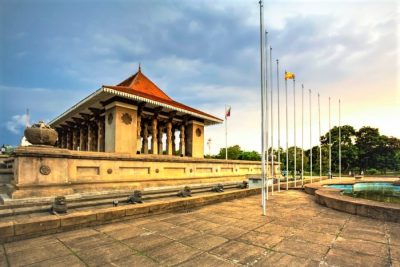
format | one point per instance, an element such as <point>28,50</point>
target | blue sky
<point>204,54</point>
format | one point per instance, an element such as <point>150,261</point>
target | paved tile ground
<point>296,232</point>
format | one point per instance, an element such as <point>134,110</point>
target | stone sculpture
<point>41,134</point>
<point>136,197</point>
<point>219,188</point>
<point>244,185</point>
<point>59,205</point>
<point>185,192</point>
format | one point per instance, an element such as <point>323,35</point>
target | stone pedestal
<point>195,139</point>
<point>121,128</point>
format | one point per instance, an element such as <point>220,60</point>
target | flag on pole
<point>289,75</point>
<point>228,112</point>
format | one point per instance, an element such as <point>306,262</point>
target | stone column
<point>64,138</point>
<point>173,141</point>
<point>100,134</point>
<point>69,138</point>
<point>160,135</point>
<point>89,136</point>
<point>139,130</point>
<point>169,138</point>
<point>145,134</point>
<point>154,141</point>
<point>81,138</point>
<point>75,138</point>
<point>182,141</point>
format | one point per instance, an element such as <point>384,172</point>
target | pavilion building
<point>136,117</point>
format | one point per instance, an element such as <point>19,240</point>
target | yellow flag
<point>289,75</point>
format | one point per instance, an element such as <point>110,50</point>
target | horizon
<point>55,54</point>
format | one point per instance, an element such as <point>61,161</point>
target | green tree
<point>233,152</point>
<point>249,155</point>
<point>368,143</point>
<point>349,150</point>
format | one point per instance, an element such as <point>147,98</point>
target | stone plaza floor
<point>296,232</point>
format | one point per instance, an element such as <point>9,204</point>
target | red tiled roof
<point>138,84</point>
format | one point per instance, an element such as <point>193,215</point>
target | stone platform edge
<point>43,225</point>
<point>332,198</point>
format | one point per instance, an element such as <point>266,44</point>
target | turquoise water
<point>384,192</point>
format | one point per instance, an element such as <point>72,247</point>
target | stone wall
<point>48,171</point>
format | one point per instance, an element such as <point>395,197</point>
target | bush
<point>372,171</point>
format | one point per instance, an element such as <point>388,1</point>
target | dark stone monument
<point>219,188</point>
<point>59,205</point>
<point>136,197</point>
<point>185,192</point>
<point>244,185</point>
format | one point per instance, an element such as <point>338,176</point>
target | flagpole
<point>340,146</point>
<point>262,109</point>
<point>302,135</point>
<point>287,136</point>
<point>279,126</point>
<point>311,147</point>
<point>320,148</point>
<point>294,132</point>
<point>226,135</point>
<point>330,144</point>
<point>272,121</point>
<point>267,113</point>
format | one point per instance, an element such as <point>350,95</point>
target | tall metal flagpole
<point>226,135</point>
<point>262,109</point>
<point>287,136</point>
<point>319,137</point>
<point>294,132</point>
<point>340,146</point>
<point>330,144</point>
<point>302,135</point>
<point>311,158</point>
<point>272,120</point>
<point>266,113</point>
<point>279,126</point>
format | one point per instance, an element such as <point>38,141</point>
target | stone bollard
<point>185,192</point>
<point>136,197</point>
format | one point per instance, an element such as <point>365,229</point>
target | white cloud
<point>16,123</point>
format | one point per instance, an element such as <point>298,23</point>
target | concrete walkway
<point>296,232</point>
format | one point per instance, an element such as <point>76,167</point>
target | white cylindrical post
<point>287,136</point>
<point>302,135</point>
<point>262,109</point>
<point>330,144</point>
<point>272,120</point>
<point>320,148</point>
<point>266,113</point>
<point>279,126</point>
<point>340,146</point>
<point>294,131</point>
<point>311,157</point>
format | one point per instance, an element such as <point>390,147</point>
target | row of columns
<point>86,136</point>
<point>154,129</point>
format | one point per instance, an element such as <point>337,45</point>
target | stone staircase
<point>14,207</point>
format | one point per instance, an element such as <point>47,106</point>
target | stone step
<point>20,208</point>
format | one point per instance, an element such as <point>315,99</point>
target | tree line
<point>363,150</point>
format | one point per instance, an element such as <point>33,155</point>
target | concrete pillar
<point>139,130</point>
<point>82,138</point>
<point>75,138</point>
<point>145,146</point>
<point>121,128</point>
<point>154,140</point>
<point>195,139</point>
<point>69,138</point>
<point>92,136</point>
<point>160,141</point>
<point>169,138</point>
<point>100,134</point>
<point>173,141</point>
<point>182,141</point>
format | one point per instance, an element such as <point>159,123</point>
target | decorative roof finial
<point>140,68</point>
